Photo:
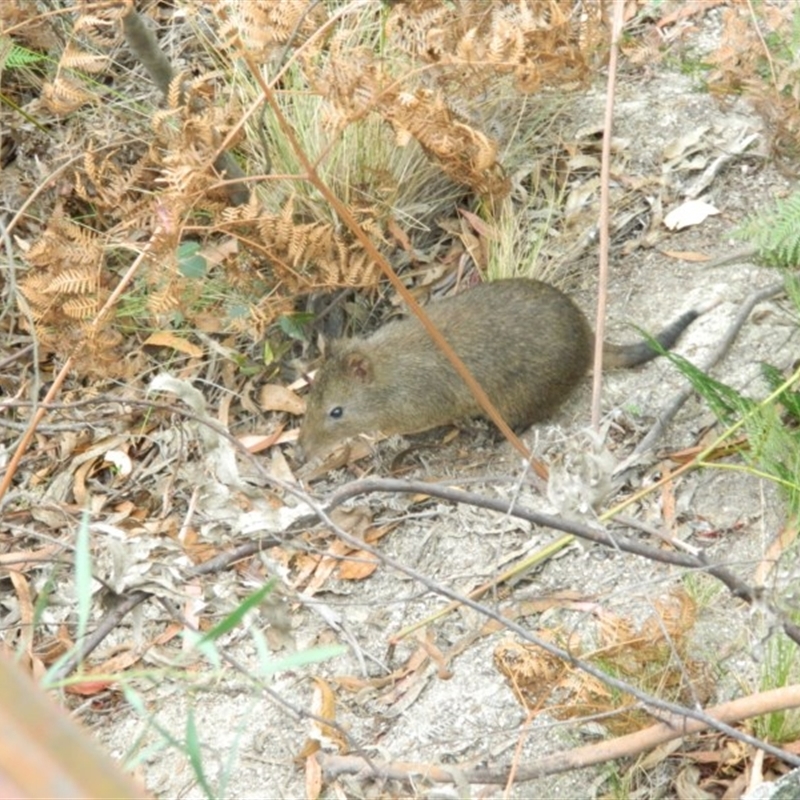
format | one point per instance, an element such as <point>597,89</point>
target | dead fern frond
<point>82,308</point>
<point>361,270</point>
<point>95,349</point>
<point>73,281</point>
<point>102,27</point>
<point>182,178</point>
<point>464,153</point>
<point>498,37</point>
<point>506,43</point>
<point>654,656</point>
<point>536,41</point>
<point>74,57</point>
<point>34,289</point>
<point>673,616</point>
<point>64,96</point>
<point>166,298</point>
<point>163,120</point>
<point>642,54</point>
<point>264,25</point>
<point>109,185</point>
<point>244,213</point>
<point>62,292</point>
<point>175,92</point>
<point>316,248</point>
<point>64,241</point>
<point>354,82</point>
<point>741,67</point>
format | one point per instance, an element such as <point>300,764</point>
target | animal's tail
<point>631,355</point>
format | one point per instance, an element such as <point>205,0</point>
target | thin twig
<point>605,180</point>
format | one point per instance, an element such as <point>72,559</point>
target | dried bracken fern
<point>69,90</point>
<point>64,96</point>
<point>65,244</point>
<point>262,26</point>
<point>156,176</point>
<point>655,656</point>
<point>63,291</point>
<point>317,244</point>
<point>465,154</point>
<point>741,66</point>
<point>540,42</point>
<point>357,85</point>
<point>98,24</point>
<point>108,183</point>
<point>74,57</point>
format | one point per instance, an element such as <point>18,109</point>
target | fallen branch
<point>674,726</point>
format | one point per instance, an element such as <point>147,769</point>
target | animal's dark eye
<point>336,412</point>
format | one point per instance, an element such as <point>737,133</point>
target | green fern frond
<point>725,402</point>
<point>790,400</point>
<point>776,232</point>
<point>13,56</point>
<point>771,426</point>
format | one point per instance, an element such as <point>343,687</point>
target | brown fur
<point>524,341</point>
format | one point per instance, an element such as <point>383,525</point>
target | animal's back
<point>525,342</point>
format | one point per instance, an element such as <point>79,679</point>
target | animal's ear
<point>358,367</point>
